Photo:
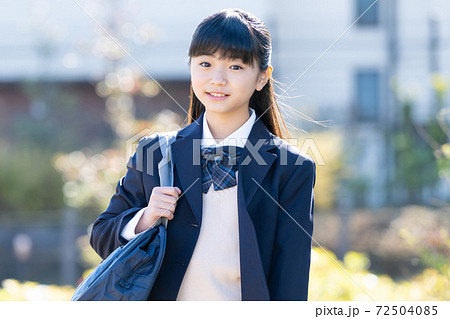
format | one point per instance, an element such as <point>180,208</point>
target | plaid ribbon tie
<point>219,166</point>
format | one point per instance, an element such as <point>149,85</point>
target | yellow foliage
<point>356,261</point>
<point>440,83</point>
<point>330,280</point>
<point>326,150</point>
<point>13,290</point>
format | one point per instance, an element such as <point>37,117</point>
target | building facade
<point>338,59</point>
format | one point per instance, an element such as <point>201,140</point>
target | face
<point>225,86</point>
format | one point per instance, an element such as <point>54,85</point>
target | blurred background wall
<point>374,75</point>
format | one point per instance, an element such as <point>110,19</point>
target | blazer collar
<point>256,159</point>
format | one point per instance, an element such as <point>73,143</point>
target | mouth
<point>217,94</point>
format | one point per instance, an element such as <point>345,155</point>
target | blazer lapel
<point>254,167</point>
<point>256,160</point>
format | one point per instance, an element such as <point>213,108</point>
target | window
<point>371,17</point>
<point>367,95</point>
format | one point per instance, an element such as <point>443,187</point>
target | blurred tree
<point>90,176</point>
<point>422,151</point>
<point>439,130</point>
<point>27,181</point>
<point>416,166</point>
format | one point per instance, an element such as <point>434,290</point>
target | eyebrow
<point>215,57</point>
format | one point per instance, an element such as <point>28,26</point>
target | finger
<point>169,190</point>
<point>164,195</point>
<point>166,199</point>
<point>165,205</point>
<point>165,213</point>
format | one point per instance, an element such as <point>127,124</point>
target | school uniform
<point>251,241</point>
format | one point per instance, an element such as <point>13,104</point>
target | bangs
<point>228,37</point>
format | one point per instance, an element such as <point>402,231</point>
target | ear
<point>264,78</point>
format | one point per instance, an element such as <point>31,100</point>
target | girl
<point>241,209</point>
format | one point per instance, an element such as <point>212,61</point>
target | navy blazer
<point>275,213</point>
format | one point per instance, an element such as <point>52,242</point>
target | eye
<point>236,67</point>
<point>203,64</point>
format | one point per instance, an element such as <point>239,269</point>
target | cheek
<point>195,80</point>
<point>195,88</point>
<point>248,84</point>
<point>252,78</point>
<point>199,89</point>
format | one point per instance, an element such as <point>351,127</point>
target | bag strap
<point>165,166</point>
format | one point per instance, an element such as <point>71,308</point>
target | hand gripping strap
<point>165,167</point>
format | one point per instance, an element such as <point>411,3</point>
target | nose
<point>218,78</point>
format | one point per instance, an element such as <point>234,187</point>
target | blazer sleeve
<point>130,198</point>
<point>289,274</point>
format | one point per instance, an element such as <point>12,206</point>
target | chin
<point>216,109</point>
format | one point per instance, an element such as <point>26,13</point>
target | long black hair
<point>236,34</point>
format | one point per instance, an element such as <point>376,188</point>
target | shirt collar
<point>237,138</point>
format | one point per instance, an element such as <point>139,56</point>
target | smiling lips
<point>217,95</point>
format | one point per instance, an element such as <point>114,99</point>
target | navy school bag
<point>129,272</point>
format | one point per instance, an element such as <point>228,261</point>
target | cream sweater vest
<point>214,270</point>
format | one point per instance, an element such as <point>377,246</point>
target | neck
<point>222,125</point>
